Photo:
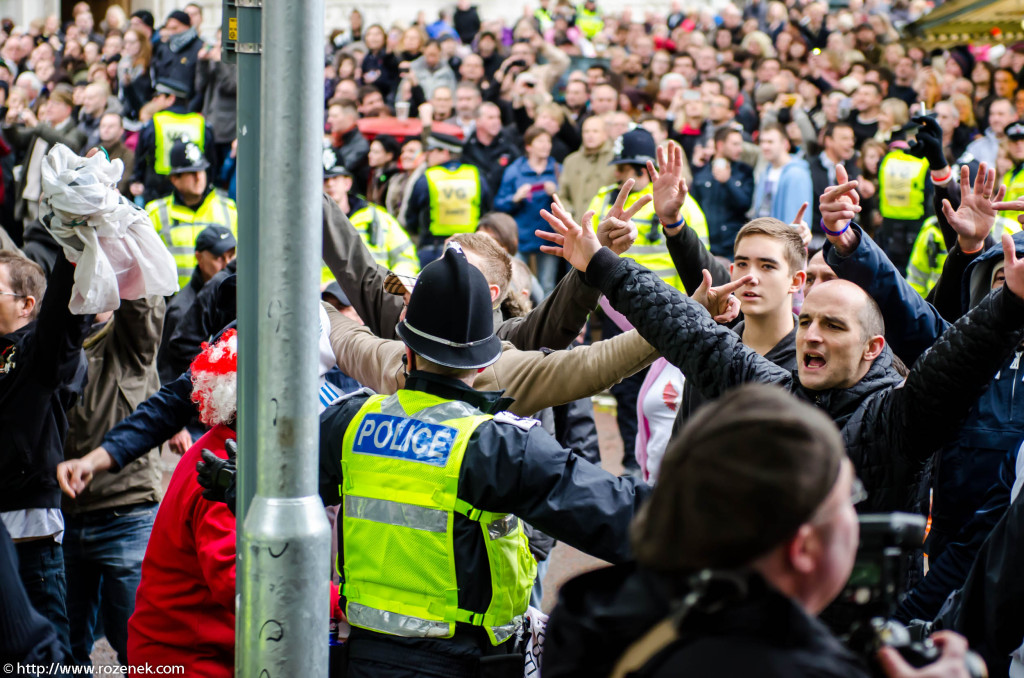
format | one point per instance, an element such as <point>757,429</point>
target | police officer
<point>157,137</point>
<point>632,152</point>
<point>929,253</point>
<point>448,199</point>
<point>903,200</point>
<point>382,234</point>
<point>1014,178</point>
<point>192,206</point>
<point>433,483</point>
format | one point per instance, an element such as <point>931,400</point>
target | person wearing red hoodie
<point>185,604</point>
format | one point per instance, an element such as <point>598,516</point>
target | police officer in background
<point>633,150</point>
<point>1014,178</point>
<point>433,483</point>
<point>381,233</point>
<point>192,206</point>
<point>448,199</point>
<point>904,199</point>
<point>157,137</point>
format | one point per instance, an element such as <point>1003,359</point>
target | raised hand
<point>801,226</point>
<point>719,301</point>
<point>668,186</point>
<point>976,216</point>
<point>1013,268</point>
<point>618,209</point>
<point>616,237</point>
<point>838,206</point>
<point>574,243</point>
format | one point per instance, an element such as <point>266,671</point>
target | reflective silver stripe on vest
<point>397,513</point>
<point>165,222</point>
<point>506,631</point>
<point>502,527</point>
<point>394,623</point>
<point>414,627</point>
<point>647,249</point>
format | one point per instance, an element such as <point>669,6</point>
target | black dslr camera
<point>861,615</point>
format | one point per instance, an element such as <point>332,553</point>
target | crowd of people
<point>786,239</point>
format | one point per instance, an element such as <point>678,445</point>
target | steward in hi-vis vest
<point>1014,178</point>
<point>904,199</point>
<point>632,151</point>
<point>157,137</point>
<point>434,482</point>
<point>449,198</point>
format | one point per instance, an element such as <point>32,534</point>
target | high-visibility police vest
<point>589,22</point>
<point>901,181</point>
<point>179,226</point>
<point>929,253</point>
<point>1014,190</point>
<point>650,249</point>
<point>454,199</point>
<point>401,458</point>
<point>927,257</point>
<point>386,240</point>
<point>168,128</point>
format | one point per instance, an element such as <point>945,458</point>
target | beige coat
<point>583,174</point>
<point>536,379</point>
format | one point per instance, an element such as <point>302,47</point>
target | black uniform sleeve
<point>525,472</point>
<point>333,423</point>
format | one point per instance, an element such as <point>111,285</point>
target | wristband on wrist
<point>828,232</point>
<point>942,175</point>
<point>681,222</point>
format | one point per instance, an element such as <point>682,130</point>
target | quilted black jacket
<point>890,428</point>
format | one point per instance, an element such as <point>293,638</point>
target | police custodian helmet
<point>635,147</point>
<point>450,319</point>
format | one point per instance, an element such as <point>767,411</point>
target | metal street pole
<point>284,548</point>
<point>242,37</point>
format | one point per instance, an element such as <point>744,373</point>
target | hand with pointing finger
<point>801,225</point>
<point>839,205</point>
<point>720,301</point>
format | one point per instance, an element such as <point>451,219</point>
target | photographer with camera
<point>749,534</point>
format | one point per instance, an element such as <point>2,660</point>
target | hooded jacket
<point>890,428</point>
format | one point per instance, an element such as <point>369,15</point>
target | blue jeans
<point>537,594</point>
<point>548,268</point>
<point>103,551</point>
<point>41,566</point>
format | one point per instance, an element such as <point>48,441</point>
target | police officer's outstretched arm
<point>514,466</point>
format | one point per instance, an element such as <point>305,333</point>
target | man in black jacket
<point>891,427</point>
<point>40,360</point>
<point>491,148</point>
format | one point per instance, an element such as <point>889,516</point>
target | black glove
<point>217,476</point>
<point>928,144</point>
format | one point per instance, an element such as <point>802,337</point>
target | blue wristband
<point>828,232</point>
<point>682,221</point>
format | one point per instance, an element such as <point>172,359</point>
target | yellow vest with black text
<point>901,182</point>
<point>168,128</point>
<point>454,199</point>
<point>179,226</point>
<point>590,23</point>
<point>650,249</point>
<point>1014,190</point>
<point>401,459</point>
<point>386,240</point>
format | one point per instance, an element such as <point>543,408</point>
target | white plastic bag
<point>117,253</point>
